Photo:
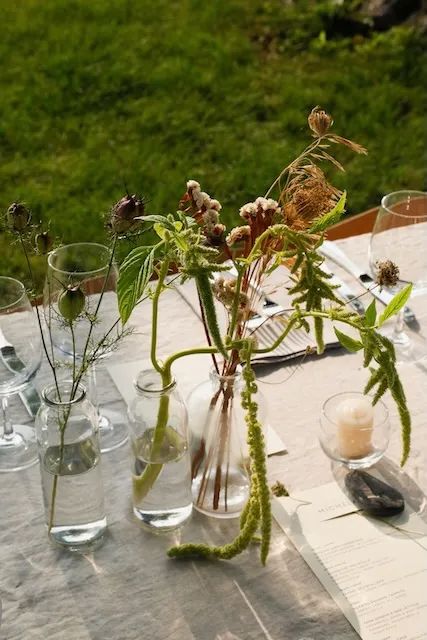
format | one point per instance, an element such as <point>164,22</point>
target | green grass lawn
<point>102,94</point>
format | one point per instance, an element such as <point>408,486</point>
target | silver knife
<point>331,251</point>
<point>29,395</point>
<point>344,291</point>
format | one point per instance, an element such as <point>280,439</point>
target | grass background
<point>98,95</point>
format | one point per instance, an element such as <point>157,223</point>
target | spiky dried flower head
<point>387,273</point>
<point>71,303</point>
<point>18,217</point>
<point>319,122</point>
<point>43,242</point>
<point>238,234</point>
<point>127,214</point>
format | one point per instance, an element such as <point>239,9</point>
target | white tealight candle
<point>355,417</point>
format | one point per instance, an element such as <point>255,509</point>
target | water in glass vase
<point>162,497</point>
<point>78,516</point>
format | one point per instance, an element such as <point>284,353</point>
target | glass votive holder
<point>352,431</point>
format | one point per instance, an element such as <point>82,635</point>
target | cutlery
<point>331,251</point>
<point>29,395</point>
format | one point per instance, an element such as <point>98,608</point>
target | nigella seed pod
<point>71,303</point>
<point>126,214</point>
<point>44,242</point>
<point>18,217</point>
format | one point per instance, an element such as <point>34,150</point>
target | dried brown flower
<point>387,273</point>
<point>319,121</point>
<point>126,214</point>
<point>18,217</point>
<point>44,242</point>
<point>237,234</point>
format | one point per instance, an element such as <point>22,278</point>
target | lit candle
<point>355,417</point>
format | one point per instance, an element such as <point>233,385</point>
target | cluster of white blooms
<point>208,205</point>
<point>201,199</point>
<point>260,206</point>
<point>237,234</point>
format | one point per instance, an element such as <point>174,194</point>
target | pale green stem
<point>155,313</point>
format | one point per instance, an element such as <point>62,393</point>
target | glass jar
<point>158,432</point>
<point>70,466</point>
<point>219,450</point>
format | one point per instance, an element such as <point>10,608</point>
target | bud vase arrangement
<point>67,425</point>
<point>284,231</point>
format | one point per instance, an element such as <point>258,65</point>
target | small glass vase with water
<point>70,466</point>
<point>161,477</point>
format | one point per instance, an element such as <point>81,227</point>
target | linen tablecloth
<point>128,589</point>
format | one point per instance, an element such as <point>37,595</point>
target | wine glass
<point>20,359</point>
<point>400,235</point>
<point>90,266</point>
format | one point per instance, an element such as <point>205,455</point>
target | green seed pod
<point>44,242</point>
<point>71,303</point>
<point>18,217</point>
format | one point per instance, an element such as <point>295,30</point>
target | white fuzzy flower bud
<point>193,184</point>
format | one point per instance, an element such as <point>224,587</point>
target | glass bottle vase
<point>219,450</point>
<point>158,432</point>
<point>70,467</point>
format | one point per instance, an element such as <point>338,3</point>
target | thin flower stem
<point>51,363</point>
<point>294,163</point>
<point>154,317</point>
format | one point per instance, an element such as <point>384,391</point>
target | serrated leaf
<point>371,314</point>
<point>328,219</point>
<point>347,342</point>
<point>134,276</point>
<point>396,304</point>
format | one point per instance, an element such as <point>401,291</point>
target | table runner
<point>129,589</point>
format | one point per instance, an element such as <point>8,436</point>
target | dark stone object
<point>372,495</point>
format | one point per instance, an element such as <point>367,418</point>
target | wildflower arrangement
<point>274,232</point>
<point>69,309</point>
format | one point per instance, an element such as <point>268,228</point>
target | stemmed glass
<point>400,235</point>
<point>20,359</point>
<point>88,265</point>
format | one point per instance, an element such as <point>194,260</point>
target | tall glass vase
<point>219,450</point>
<point>158,429</point>
<point>70,465</point>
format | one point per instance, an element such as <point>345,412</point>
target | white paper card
<point>186,371</point>
<point>375,573</point>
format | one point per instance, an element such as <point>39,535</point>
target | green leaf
<point>328,219</point>
<point>134,276</point>
<point>347,342</point>
<point>396,304</point>
<point>160,230</point>
<point>371,314</point>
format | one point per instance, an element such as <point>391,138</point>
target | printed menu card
<point>375,569</point>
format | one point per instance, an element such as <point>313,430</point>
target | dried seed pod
<point>319,121</point>
<point>18,217</point>
<point>126,214</point>
<point>44,242</point>
<point>71,303</point>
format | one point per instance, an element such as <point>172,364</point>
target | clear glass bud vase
<point>161,481</point>
<point>219,450</point>
<point>70,466</point>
